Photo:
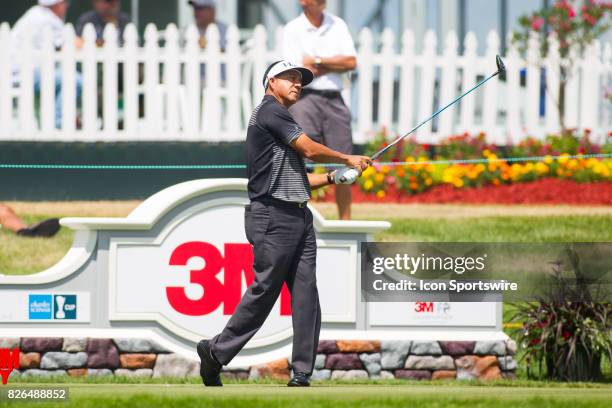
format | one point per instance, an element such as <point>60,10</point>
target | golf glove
<point>346,175</point>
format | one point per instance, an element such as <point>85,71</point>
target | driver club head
<point>501,67</point>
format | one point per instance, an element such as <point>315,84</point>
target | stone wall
<point>342,359</point>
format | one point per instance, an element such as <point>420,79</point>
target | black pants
<point>285,250</point>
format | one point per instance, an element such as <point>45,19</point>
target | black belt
<point>280,203</point>
<point>324,93</point>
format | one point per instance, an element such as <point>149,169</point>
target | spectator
<point>10,221</point>
<point>104,12</point>
<point>204,13</point>
<point>322,43</point>
<point>47,14</point>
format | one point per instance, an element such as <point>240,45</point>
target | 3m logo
<point>238,262</point>
<point>9,360</point>
<point>424,307</point>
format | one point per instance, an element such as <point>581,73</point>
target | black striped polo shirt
<point>274,168</point>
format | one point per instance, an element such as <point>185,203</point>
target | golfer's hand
<point>361,162</point>
<point>346,175</point>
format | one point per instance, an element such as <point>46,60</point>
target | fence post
<point>69,94</point>
<point>26,87</point>
<point>364,119</point>
<point>513,92</point>
<point>387,79</point>
<point>193,84</point>
<point>532,104</point>
<point>212,102</point>
<point>428,78</point>
<point>130,82</point>
<point>589,101</point>
<point>47,86</point>
<point>110,82</point>
<point>449,84</point>
<point>153,99</point>
<point>490,92</point>
<point>260,63</point>
<point>406,107</point>
<point>171,81</point>
<point>552,85</point>
<point>90,83</point>
<point>470,61</point>
<point>6,83</point>
<point>233,119</point>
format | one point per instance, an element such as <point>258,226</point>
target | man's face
<point>204,15</point>
<point>60,9</point>
<point>313,6</point>
<point>107,8</point>
<point>287,85</point>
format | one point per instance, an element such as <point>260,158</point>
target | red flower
<point>533,342</point>
<point>566,335</point>
<point>537,23</point>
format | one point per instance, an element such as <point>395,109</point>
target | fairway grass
<point>328,395</point>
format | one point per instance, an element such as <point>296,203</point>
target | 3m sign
<point>226,290</point>
<point>9,361</point>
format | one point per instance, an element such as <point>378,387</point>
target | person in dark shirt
<point>104,12</point>
<point>278,225</point>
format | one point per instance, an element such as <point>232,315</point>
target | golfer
<point>278,225</point>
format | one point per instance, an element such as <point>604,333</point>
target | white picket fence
<point>167,96</point>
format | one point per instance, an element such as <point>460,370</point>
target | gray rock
<point>320,375</point>
<point>511,347</point>
<point>10,342</point>
<point>99,372</point>
<point>74,344</point>
<point>320,361</point>
<point>393,353</point>
<point>139,373</point>
<point>429,348</point>
<point>383,375</point>
<point>35,372</point>
<point>466,375</point>
<point>507,363</point>
<point>371,362</point>
<point>497,348</point>
<point>349,374</point>
<point>173,365</point>
<point>14,374</point>
<point>430,363</point>
<point>59,359</point>
<point>139,346</point>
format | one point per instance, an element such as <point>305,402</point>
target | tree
<point>561,26</point>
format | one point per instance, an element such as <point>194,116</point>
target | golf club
<point>501,69</point>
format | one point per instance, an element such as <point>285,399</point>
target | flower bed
<point>543,191</point>
<point>558,169</point>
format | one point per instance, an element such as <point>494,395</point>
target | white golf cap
<point>203,3</point>
<point>281,66</point>
<point>48,3</point>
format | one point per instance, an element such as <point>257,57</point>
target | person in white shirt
<point>322,43</point>
<point>48,14</point>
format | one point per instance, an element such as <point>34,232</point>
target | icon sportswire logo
<point>9,360</point>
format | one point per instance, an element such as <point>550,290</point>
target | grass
<point>420,223</point>
<point>391,393</point>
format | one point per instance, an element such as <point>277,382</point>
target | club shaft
<point>384,149</point>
